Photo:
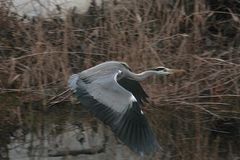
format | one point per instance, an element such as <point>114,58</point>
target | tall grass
<point>37,57</point>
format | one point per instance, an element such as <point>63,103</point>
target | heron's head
<point>166,71</point>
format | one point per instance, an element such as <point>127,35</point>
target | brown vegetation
<point>196,115</point>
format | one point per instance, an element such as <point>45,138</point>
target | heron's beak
<point>176,71</point>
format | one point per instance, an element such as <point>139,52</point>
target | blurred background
<point>196,116</point>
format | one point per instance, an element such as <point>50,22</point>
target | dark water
<point>69,132</point>
<point>60,133</point>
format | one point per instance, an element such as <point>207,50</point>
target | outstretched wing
<point>118,108</point>
<point>135,88</point>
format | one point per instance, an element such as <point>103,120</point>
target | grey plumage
<point>113,94</point>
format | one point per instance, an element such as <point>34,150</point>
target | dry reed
<point>38,56</point>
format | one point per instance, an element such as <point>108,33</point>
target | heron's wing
<point>135,88</point>
<point>119,109</point>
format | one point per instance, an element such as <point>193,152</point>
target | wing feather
<point>135,88</point>
<point>113,105</point>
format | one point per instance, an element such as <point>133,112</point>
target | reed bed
<point>196,115</point>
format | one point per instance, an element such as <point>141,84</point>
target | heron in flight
<point>112,92</point>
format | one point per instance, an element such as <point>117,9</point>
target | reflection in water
<point>63,132</point>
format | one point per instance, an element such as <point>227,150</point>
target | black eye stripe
<point>126,66</point>
<point>159,69</point>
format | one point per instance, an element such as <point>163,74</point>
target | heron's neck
<point>142,76</point>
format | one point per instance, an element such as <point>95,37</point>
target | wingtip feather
<point>136,133</point>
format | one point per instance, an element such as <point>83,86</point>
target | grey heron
<point>112,92</point>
